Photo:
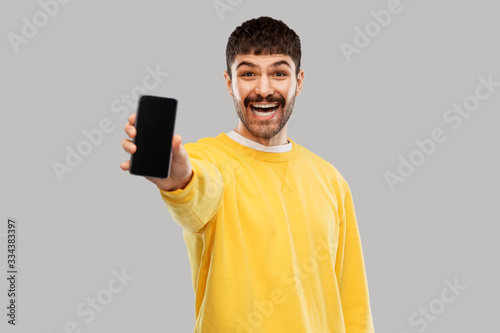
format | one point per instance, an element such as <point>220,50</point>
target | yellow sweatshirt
<point>272,240</point>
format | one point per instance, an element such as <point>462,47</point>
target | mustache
<point>260,99</point>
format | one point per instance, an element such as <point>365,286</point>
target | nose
<point>264,87</point>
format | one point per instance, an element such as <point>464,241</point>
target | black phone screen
<point>154,123</point>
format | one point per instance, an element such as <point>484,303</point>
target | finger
<point>129,146</point>
<point>125,165</point>
<point>131,119</point>
<point>130,130</point>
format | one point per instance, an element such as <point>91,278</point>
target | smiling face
<point>263,88</point>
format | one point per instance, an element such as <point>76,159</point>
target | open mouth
<point>264,110</point>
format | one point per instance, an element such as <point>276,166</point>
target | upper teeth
<point>265,105</point>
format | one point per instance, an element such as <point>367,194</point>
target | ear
<point>228,83</point>
<point>300,81</point>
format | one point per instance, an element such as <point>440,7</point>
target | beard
<point>265,129</point>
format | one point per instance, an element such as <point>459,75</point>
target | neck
<point>278,139</point>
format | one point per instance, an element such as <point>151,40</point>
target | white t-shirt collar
<point>258,146</point>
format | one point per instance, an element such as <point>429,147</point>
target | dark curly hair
<point>263,36</point>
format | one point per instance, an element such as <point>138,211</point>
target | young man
<point>270,227</point>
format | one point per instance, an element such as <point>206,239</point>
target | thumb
<point>176,146</point>
<point>176,143</point>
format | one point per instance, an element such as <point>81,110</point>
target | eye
<point>280,74</point>
<point>246,74</point>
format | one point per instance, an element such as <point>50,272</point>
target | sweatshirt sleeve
<point>350,271</point>
<point>193,206</point>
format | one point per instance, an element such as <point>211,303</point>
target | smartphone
<point>154,123</point>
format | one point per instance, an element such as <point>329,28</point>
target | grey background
<point>441,223</point>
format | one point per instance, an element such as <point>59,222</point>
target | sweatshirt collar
<point>259,146</point>
<point>280,153</point>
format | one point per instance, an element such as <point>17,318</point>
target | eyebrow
<point>276,64</point>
